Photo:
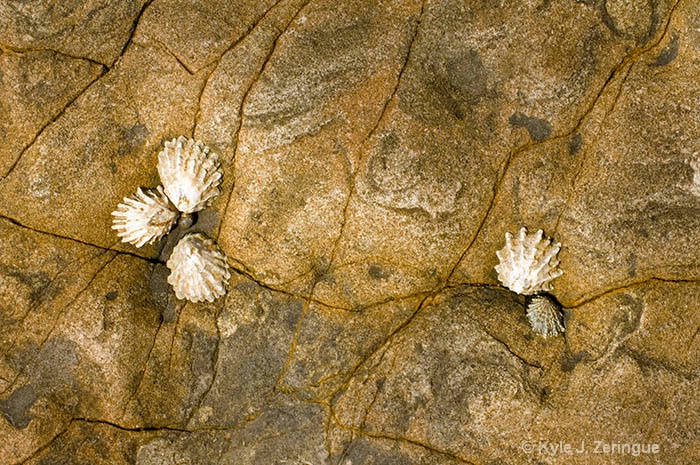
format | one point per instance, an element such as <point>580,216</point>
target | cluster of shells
<point>191,176</point>
<point>527,265</point>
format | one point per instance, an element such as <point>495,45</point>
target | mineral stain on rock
<point>669,52</point>
<point>377,272</point>
<point>132,138</point>
<point>16,407</point>
<point>54,371</point>
<point>629,321</point>
<point>111,295</point>
<point>539,129</point>
<point>458,81</point>
<point>38,282</point>
<point>568,361</point>
<point>631,19</point>
<point>575,144</point>
<point>161,293</point>
<point>447,85</point>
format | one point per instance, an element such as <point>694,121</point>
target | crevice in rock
<point>46,446</point>
<point>132,31</point>
<point>20,50</point>
<point>294,391</point>
<point>173,429</point>
<point>145,368</point>
<point>240,39</point>
<point>625,66</point>
<point>89,244</point>
<point>692,340</point>
<point>178,312</point>
<point>630,58</point>
<point>244,99</point>
<point>396,438</point>
<point>575,179</point>
<point>243,271</point>
<point>279,387</point>
<point>404,65</point>
<point>377,390</point>
<point>382,113</point>
<point>257,76</point>
<point>39,302</point>
<point>327,435</point>
<point>139,429</point>
<point>506,346</point>
<point>167,50</point>
<point>384,344</point>
<point>214,364</point>
<point>496,187</point>
<point>55,118</point>
<point>58,319</point>
<point>629,286</point>
<point>218,60</point>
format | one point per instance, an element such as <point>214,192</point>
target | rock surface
<point>374,156</point>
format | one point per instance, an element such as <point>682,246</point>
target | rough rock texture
<point>375,153</point>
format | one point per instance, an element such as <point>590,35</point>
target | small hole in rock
<point>187,220</point>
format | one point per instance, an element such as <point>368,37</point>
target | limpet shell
<point>144,217</point>
<point>545,316</point>
<point>528,262</point>
<point>190,173</point>
<point>199,270</point>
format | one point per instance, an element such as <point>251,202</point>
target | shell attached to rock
<point>144,217</point>
<point>528,263</point>
<point>198,269</point>
<point>191,174</point>
<point>545,316</point>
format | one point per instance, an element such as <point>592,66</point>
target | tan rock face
<point>374,156</point>
<point>94,30</point>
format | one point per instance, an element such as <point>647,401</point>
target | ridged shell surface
<point>198,269</point>
<point>144,217</point>
<point>545,316</point>
<point>190,174</point>
<point>528,262</point>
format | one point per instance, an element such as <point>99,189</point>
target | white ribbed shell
<point>191,174</point>
<point>545,316</point>
<point>528,263</point>
<point>144,217</point>
<point>199,270</point>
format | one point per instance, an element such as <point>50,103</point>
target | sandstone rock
<point>97,30</point>
<point>35,88</point>
<point>331,343</point>
<point>614,187</point>
<point>374,155</point>
<point>103,146</point>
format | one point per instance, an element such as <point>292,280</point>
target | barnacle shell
<point>144,217</point>
<point>528,263</point>
<point>199,270</point>
<point>545,316</point>
<point>191,174</point>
